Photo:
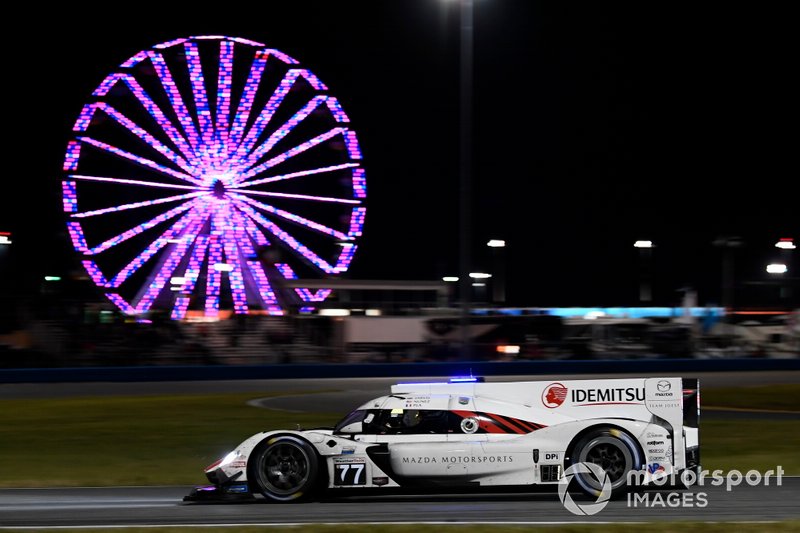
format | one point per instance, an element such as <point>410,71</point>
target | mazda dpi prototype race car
<point>467,432</point>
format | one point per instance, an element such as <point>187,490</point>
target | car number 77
<point>350,474</point>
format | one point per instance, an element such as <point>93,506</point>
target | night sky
<point>595,124</point>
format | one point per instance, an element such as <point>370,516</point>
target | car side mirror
<point>355,427</point>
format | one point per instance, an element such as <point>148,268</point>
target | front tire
<point>284,468</point>
<point>614,451</point>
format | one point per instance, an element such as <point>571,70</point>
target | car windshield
<point>352,418</point>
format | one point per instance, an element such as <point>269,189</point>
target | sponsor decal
<point>554,395</point>
<point>664,405</point>
<point>621,395</point>
<point>655,468</point>
<point>348,460</point>
<point>651,451</point>
<point>346,451</point>
<point>419,401</point>
<point>458,459</point>
<point>552,456</point>
<point>380,481</point>
<point>238,464</point>
<point>463,401</point>
<point>664,389</point>
<point>651,435</point>
<point>655,442</point>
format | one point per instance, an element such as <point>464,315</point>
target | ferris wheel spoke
<point>301,197</point>
<point>292,217</point>
<point>290,241</point>
<point>175,98</point>
<point>158,115</point>
<point>173,233</point>
<point>140,160</point>
<point>265,291</point>
<point>246,101</point>
<point>138,205</point>
<point>253,157</point>
<point>254,267</point>
<point>224,83</point>
<point>235,275</point>
<point>213,277</point>
<point>299,149</point>
<point>136,230</point>
<point>272,105</point>
<point>190,276</point>
<point>251,230</point>
<point>291,175</point>
<point>89,110</point>
<point>305,294</point>
<point>124,181</point>
<point>167,268</point>
<point>202,111</point>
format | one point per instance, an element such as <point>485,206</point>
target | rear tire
<point>614,451</point>
<point>284,469</point>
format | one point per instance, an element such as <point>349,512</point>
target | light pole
<point>781,267</point>
<point>465,168</point>
<point>729,245</point>
<point>498,247</point>
<point>645,270</point>
<point>479,285</point>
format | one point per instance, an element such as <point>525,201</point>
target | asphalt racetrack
<point>148,506</point>
<point>39,508</point>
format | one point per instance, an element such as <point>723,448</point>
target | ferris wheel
<point>205,172</point>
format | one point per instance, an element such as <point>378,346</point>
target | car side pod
<point>236,492</point>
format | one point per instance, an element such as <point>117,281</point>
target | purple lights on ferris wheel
<point>229,157</point>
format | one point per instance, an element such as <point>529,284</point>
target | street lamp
<point>479,284</point>
<point>777,268</point>
<point>782,265</point>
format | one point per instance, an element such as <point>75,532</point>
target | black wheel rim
<point>610,454</point>
<point>284,468</point>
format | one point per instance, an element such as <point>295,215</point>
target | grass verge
<point>144,440</point>
<point>769,397</point>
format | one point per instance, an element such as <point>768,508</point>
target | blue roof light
<point>468,379</point>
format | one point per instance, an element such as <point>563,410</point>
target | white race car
<point>468,432</point>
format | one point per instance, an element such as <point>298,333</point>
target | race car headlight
<point>228,459</point>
